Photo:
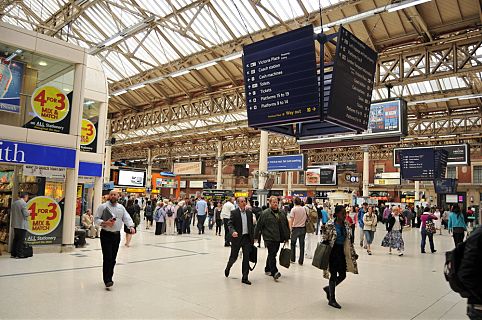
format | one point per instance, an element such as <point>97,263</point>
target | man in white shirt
<point>226,215</point>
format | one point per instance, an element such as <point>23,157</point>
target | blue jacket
<point>456,221</point>
<point>361,213</point>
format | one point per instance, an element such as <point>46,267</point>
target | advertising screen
<point>131,178</point>
<point>321,176</point>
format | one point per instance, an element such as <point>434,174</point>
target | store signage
<point>91,169</point>
<point>44,221</point>
<point>183,184</point>
<point>218,193</point>
<point>281,84</point>
<point>243,194</point>
<point>322,194</point>
<point>86,180</point>
<point>44,171</point>
<point>88,136</point>
<point>196,184</point>
<point>184,168</point>
<point>458,154</point>
<point>422,164</point>
<point>300,194</point>
<point>294,162</point>
<point>25,153</point>
<point>352,82</point>
<point>11,79</point>
<point>136,190</point>
<point>321,176</point>
<point>166,183</point>
<point>210,185</point>
<point>108,185</point>
<point>386,182</point>
<point>51,107</point>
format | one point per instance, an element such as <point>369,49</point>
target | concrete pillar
<point>149,171</point>
<point>99,182</point>
<point>366,171</point>
<point>219,173</point>
<point>417,190</point>
<point>263,164</point>
<point>290,183</point>
<point>108,153</point>
<point>70,203</point>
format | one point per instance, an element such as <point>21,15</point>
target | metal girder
<point>433,61</point>
<point>446,125</point>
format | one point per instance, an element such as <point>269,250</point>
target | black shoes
<point>246,281</point>
<point>277,276</point>
<point>334,304</point>
<point>226,272</point>
<point>21,257</point>
<point>109,284</point>
<point>434,251</point>
<point>327,291</point>
<point>227,245</point>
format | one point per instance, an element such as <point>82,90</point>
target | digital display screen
<point>321,176</point>
<point>131,178</point>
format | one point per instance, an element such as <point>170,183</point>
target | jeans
<point>298,234</point>
<point>109,241</point>
<point>18,242</point>
<point>310,245</point>
<point>210,222</point>
<point>459,234</point>
<point>200,223</point>
<point>424,240</point>
<point>245,244</point>
<point>352,233</point>
<point>369,235</point>
<point>362,236</point>
<point>219,224</point>
<point>227,237</point>
<point>273,248</point>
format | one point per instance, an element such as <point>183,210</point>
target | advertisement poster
<point>51,107</point>
<point>88,136</point>
<point>313,177</point>
<point>11,77</point>
<point>44,221</point>
<point>131,178</point>
<point>321,176</point>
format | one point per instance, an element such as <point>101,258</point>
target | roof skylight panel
<point>231,17</point>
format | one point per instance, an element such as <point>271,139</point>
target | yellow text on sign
<point>88,132</point>
<point>50,104</point>
<point>45,215</point>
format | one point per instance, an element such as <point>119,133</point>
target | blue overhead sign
<point>281,85</point>
<point>90,169</point>
<point>25,153</point>
<point>294,162</point>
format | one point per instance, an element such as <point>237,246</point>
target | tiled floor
<point>181,277</point>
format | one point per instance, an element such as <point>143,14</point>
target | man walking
<point>19,225</point>
<point>273,225</point>
<point>202,210</point>
<point>242,232</point>
<point>361,213</point>
<point>110,216</point>
<point>226,215</point>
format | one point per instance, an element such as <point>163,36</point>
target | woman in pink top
<point>297,223</point>
<point>427,216</point>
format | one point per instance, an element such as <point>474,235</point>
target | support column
<point>98,185</point>
<point>290,182</point>
<point>108,153</point>
<point>366,170</point>
<point>263,164</point>
<point>149,171</point>
<point>417,190</point>
<point>219,173</point>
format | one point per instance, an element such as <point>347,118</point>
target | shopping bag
<point>321,259</point>
<point>284,257</point>
<point>253,256</point>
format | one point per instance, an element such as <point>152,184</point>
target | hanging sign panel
<point>11,77</point>
<point>295,162</point>
<point>44,171</point>
<point>88,136</point>
<point>281,85</point>
<point>422,164</point>
<point>352,82</point>
<point>458,154</point>
<point>44,221</point>
<point>51,107</point>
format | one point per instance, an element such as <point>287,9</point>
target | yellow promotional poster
<point>50,104</point>
<point>88,132</point>
<point>45,215</point>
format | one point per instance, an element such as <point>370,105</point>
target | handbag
<point>253,256</point>
<point>310,227</point>
<point>430,226</point>
<point>284,257</point>
<point>321,258</point>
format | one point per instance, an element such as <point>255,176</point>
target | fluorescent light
<point>88,103</point>
<point>112,40</point>
<point>233,56</point>
<point>205,65</point>
<point>42,63</point>
<point>179,73</point>
<point>470,96</point>
<point>406,4</point>
<point>137,86</point>
<point>118,93</point>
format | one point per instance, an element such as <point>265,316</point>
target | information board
<point>444,186</point>
<point>295,162</point>
<point>458,154</point>
<point>281,85</point>
<point>423,164</point>
<point>352,82</point>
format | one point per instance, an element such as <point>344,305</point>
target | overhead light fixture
<point>205,65</point>
<point>405,4</point>
<point>66,89</point>
<point>179,73</point>
<point>118,93</point>
<point>137,86</point>
<point>13,55</point>
<point>110,41</point>
<point>233,56</point>
<point>89,102</point>
<point>42,63</point>
<point>470,96</point>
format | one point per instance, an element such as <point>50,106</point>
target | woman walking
<point>427,228</point>
<point>149,214</point>
<point>131,209</point>
<point>457,224</point>
<point>217,216</point>
<point>438,222</point>
<point>369,227</point>
<point>337,234</point>
<point>160,217</point>
<point>393,239</point>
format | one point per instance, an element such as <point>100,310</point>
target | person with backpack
<point>427,229</point>
<point>159,217</point>
<point>457,224</point>
<point>170,217</point>
<point>180,216</point>
<point>136,218</point>
<point>310,235</point>
<point>470,275</point>
<point>187,215</point>
<point>149,214</point>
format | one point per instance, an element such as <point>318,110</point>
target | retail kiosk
<point>53,113</point>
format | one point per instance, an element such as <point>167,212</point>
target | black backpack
<point>453,259</point>
<point>170,212</point>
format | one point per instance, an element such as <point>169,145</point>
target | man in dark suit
<point>242,234</point>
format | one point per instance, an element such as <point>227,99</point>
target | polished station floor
<point>182,277</point>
